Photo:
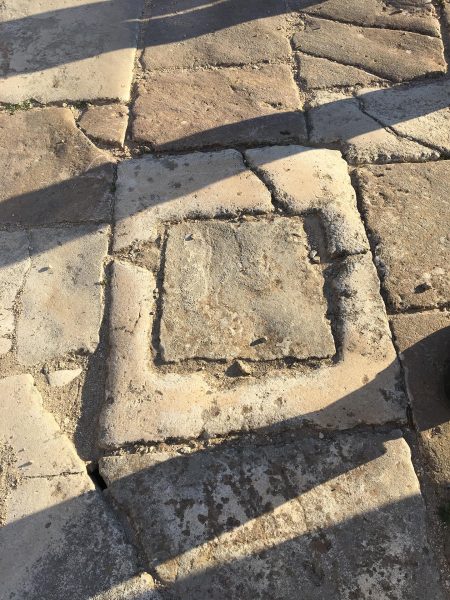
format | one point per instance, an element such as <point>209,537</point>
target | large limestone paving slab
<point>192,109</point>
<point>51,172</point>
<point>66,50</point>
<point>242,290</point>
<point>62,298</point>
<point>60,538</point>
<point>394,55</point>
<point>339,517</point>
<point>182,35</point>
<point>407,212</point>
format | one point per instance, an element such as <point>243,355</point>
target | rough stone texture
<point>421,112</point>
<point>106,123</point>
<point>61,50</point>
<point>320,73</point>
<point>407,213</point>
<point>63,377</point>
<point>183,110</point>
<point>145,403</point>
<point>62,296</point>
<point>340,517</point>
<point>409,15</point>
<point>338,120</point>
<point>305,179</point>
<point>179,35</point>
<point>51,172</point>
<point>208,184</point>
<point>395,55</point>
<point>14,263</point>
<point>246,290</point>
<point>57,527</point>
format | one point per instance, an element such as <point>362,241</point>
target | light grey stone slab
<point>337,517</point>
<point>62,301</point>
<point>106,123</point>
<point>243,290</point>
<point>61,50</point>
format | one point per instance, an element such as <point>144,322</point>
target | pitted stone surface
<point>267,520</point>
<point>152,190</point>
<point>191,109</point>
<point>62,297</point>
<point>407,212</point>
<point>51,172</point>
<point>245,290</point>
<point>64,50</point>
<point>106,123</point>
<point>321,73</point>
<point>394,55</point>
<point>180,35</point>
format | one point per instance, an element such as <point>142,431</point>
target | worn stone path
<point>224,300</point>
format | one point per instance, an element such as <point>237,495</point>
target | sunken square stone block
<point>244,290</point>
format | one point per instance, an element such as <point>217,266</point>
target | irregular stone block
<point>63,377</point>
<point>320,73</point>
<point>68,51</point>
<point>246,290</point>
<point>106,123</point>
<point>62,297</point>
<point>184,110</point>
<point>395,55</point>
<point>51,172</point>
<point>407,213</point>
<point>337,517</point>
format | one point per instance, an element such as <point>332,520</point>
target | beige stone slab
<point>51,172</point>
<point>395,55</point>
<point>337,517</point>
<point>408,214</point>
<point>66,50</point>
<point>243,290</point>
<point>182,35</point>
<point>305,179</point>
<point>192,109</point>
<point>151,190</point>
<point>107,123</point>
<point>320,73</point>
<point>62,301</point>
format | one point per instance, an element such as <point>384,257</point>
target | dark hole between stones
<point>98,480</point>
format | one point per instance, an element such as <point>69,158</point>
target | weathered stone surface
<point>147,403</point>
<point>338,120</point>
<point>62,50</point>
<point>63,377</point>
<point>407,213</point>
<point>14,263</point>
<point>106,123</point>
<point>409,15</point>
<point>62,297</point>
<point>394,55</point>
<point>62,539</point>
<point>305,179</point>
<point>339,517</point>
<point>50,171</point>
<point>242,290</point>
<point>179,35</point>
<point>421,112</point>
<point>152,190</point>
<point>320,73</point>
<point>183,110</point>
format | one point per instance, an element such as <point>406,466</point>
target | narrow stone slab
<point>320,73</point>
<point>395,55</point>
<point>68,51</point>
<point>407,212</point>
<point>246,290</point>
<point>338,517</point>
<point>62,297</point>
<point>180,35</point>
<point>199,185</point>
<point>184,110</point>
<point>51,172</point>
<point>106,123</point>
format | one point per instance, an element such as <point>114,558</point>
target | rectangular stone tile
<point>183,110</point>
<point>407,213</point>
<point>62,50</point>
<point>395,55</point>
<point>338,517</point>
<point>182,35</point>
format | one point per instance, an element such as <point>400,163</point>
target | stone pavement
<point>224,300</point>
